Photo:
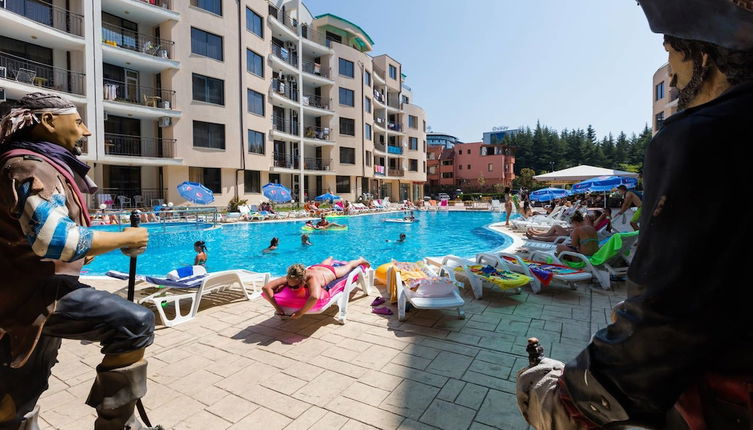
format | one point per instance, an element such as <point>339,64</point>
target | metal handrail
<point>48,15</point>
<point>285,126</point>
<point>316,69</point>
<point>284,89</point>
<point>157,3</point>
<point>109,196</point>
<point>136,146</point>
<point>318,133</point>
<point>44,75</point>
<point>317,102</point>
<point>120,37</point>
<point>395,172</point>
<point>289,162</point>
<point>379,97</point>
<point>391,149</point>
<point>145,96</point>
<point>285,55</point>
<point>395,126</point>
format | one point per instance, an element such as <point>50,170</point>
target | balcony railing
<point>159,3</point>
<point>381,147</point>
<point>379,96</point>
<point>285,55</point>
<point>379,122</point>
<point>288,162</point>
<point>285,89</point>
<point>131,93</point>
<point>119,37</point>
<point>317,102</point>
<point>284,19</point>
<point>318,133</point>
<point>380,170</point>
<point>46,14</point>
<point>395,126</point>
<point>285,126</point>
<point>315,36</point>
<point>393,102</point>
<point>136,146</point>
<point>396,172</point>
<point>316,69</point>
<point>42,75</point>
<point>394,149</point>
<point>379,72</point>
<point>134,197</point>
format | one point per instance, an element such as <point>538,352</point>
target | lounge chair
<point>337,293</point>
<point>543,273</point>
<point>487,270</point>
<point>195,287</point>
<point>444,205</point>
<point>422,279</point>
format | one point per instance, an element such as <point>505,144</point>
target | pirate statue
<point>680,352</point>
<point>44,242</point>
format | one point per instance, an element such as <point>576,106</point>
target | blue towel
<point>190,282</point>
<point>184,272</point>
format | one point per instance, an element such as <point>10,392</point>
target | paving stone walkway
<point>237,367</point>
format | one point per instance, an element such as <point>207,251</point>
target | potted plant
<point>232,206</point>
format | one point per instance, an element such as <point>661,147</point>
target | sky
<point>474,65</point>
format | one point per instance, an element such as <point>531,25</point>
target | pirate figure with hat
<point>680,351</point>
<point>44,242</point>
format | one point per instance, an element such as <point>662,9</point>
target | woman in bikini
<point>583,239</point>
<point>201,253</point>
<point>315,278</point>
<point>508,205</point>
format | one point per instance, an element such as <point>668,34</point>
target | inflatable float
<point>308,229</point>
<point>400,220</point>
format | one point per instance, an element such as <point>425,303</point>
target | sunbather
<point>583,239</point>
<point>315,278</point>
<point>272,246</point>
<point>324,224</point>
<point>201,253</point>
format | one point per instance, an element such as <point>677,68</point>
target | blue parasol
<point>195,193</point>
<point>604,183</point>
<point>327,196</point>
<point>546,194</point>
<point>276,193</point>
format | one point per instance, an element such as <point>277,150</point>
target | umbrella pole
<point>132,267</point>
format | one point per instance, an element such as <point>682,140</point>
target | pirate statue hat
<point>725,23</point>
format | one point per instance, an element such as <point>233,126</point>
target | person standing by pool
<point>315,278</point>
<point>630,199</point>
<point>508,205</point>
<point>201,253</point>
<point>272,246</point>
<point>46,241</point>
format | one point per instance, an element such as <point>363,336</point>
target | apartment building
<point>231,94</point>
<point>664,98</point>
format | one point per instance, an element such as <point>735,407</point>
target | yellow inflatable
<point>380,275</point>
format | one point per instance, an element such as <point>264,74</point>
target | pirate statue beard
<point>690,91</point>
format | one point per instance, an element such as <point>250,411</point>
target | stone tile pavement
<point>237,367</point>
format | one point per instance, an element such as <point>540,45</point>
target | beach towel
<point>504,279</point>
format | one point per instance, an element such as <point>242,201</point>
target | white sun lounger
<point>249,282</point>
<point>517,264</point>
<point>477,283</point>
<point>405,295</point>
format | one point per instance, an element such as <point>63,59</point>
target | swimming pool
<point>239,245</point>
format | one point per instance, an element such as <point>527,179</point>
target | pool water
<point>240,245</point>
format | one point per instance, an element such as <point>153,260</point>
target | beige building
<point>231,94</point>
<point>664,97</point>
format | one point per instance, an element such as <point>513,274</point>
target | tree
<point>525,178</point>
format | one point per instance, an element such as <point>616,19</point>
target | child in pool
<point>201,253</point>
<point>305,240</point>
<point>272,246</point>
<point>402,238</point>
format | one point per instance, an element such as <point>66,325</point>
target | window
<point>423,169</point>
<point>447,163</point>
<point>208,135</point>
<point>490,167</point>
<point>413,165</point>
<point>447,175</point>
<point>255,142</point>
<point>255,102</point>
<point>342,184</point>
<point>424,126</point>
<point>432,170</point>
<point>406,100</point>
<point>368,158</point>
<point>469,151</point>
<point>367,104</point>
<point>254,63</point>
<point>347,126</point>
<point>346,68</point>
<point>367,78</point>
<point>431,156</point>
<point>206,44</point>
<point>210,90</point>
<point>347,155</point>
<point>214,6</point>
<point>212,179</point>
<point>460,152</point>
<point>254,23</point>
<point>413,143</point>
<point>424,146</point>
<point>412,121</point>
<point>460,167</point>
<point>393,72</point>
<point>251,181</point>
<point>469,167</point>
<point>660,91</point>
<point>347,97</point>
<point>659,120</point>
<point>367,131</point>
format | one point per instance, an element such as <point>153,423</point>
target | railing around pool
<point>207,215</point>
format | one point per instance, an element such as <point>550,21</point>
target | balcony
<point>146,12</point>
<point>284,57</point>
<point>379,75</point>
<point>127,48</point>
<point>315,72</point>
<point>317,102</point>
<point>395,126</point>
<point>318,134</point>
<point>287,162</point>
<point>379,122</point>
<point>394,149</point>
<point>393,102</point>
<point>282,23</point>
<point>399,173</point>
<point>136,146</point>
<point>379,97</point>
<point>139,197</point>
<point>284,89</point>
<point>379,170</point>
<point>49,16</point>
<point>315,39</point>
<point>281,125</point>
<point>28,74</point>
<point>150,103</point>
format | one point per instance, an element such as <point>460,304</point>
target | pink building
<point>479,166</point>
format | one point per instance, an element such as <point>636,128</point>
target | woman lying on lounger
<point>315,278</point>
<point>598,220</point>
<point>583,239</point>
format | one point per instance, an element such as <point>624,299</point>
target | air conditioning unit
<point>165,121</point>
